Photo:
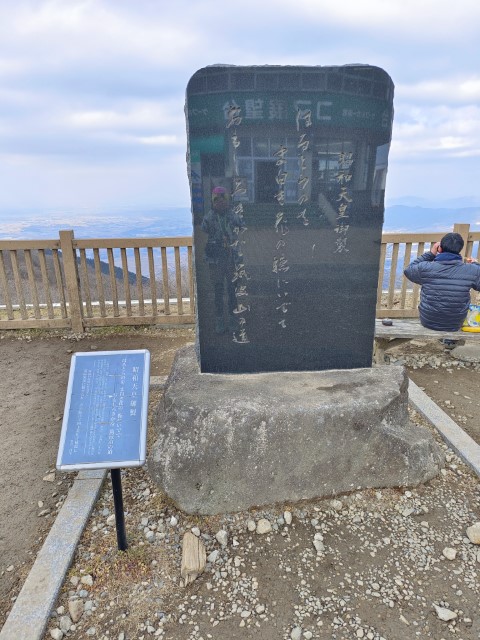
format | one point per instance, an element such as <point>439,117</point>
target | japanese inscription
<point>105,413</point>
<point>287,222</point>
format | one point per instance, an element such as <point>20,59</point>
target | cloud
<point>430,131</point>
<point>443,90</point>
<point>99,85</point>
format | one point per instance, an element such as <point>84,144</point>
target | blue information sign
<point>105,419</point>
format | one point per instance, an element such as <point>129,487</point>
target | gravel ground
<point>392,564</point>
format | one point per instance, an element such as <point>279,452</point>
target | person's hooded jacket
<point>445,295</point>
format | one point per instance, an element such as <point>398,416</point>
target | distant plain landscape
<point>406,215</point>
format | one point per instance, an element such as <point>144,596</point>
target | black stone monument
<point>287,169</point>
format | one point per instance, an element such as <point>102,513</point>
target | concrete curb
<point>453,435</point>
<point>31,611</point>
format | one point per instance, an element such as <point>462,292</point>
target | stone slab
<point>467,352</point>
<point>453,435</point>
<point>288,255</point>
<point>231,442</point>
<point>30,613</point>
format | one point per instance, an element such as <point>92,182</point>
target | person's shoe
<point>448,343</point>
<point>219,325</point>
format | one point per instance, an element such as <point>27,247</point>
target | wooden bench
<point>405,329</point>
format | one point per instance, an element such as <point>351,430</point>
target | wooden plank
<point>397,313</point>
<point>6,290</point>
<point>381,269</point>
<point>406,262</point>
<point>178,279</point>
<point>18,284</point>
<point>153,282</point>
<point>71,280</point>
<point>463,230</point>
<point>170,320</point>
<point>191,281</point>
<point>409,328</point>
<point>393,273</point>
<point>194,558</point>
<point>126,282</point>
<point>46,284</point>
<point>113,282</point>
<point>33,323</point>
<point>128,243</point>
<point>32,284</point>
<point>59,281</point>
<point>401,238</point>
<point>138,272</point>
<point>86,284</point>
<point>13,245</point>
<point>166,290</point>
<point>99,281</point>
<point>416,287</point>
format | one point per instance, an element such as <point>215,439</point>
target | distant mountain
<point>415,219</point>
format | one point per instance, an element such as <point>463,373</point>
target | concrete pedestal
<point>231,442</point>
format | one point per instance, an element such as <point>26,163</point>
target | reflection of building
<point>340,110</point>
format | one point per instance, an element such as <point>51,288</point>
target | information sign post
<point>105,418</point>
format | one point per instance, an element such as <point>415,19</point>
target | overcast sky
<point>92,91</point>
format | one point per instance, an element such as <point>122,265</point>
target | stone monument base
<point>228,442</point>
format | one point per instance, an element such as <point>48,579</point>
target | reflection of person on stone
<point>221,253</point>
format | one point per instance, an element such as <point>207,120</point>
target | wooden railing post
<point>463,230</point>
<point>72,281</point>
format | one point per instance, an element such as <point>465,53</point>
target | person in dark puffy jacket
<point>446,282</point>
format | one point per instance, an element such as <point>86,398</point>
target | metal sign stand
<point>115,475</point>
<point>105,418</point>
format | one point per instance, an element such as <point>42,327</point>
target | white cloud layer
<point>92,91</point>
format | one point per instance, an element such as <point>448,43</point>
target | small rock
<point>111,520</point>
<point>212,558</point>
<point>445,614</point>
<point>473,533</point>
<point>88,580</point>
<point>173,521</point>
<point>259,608</point>
<point>65,623</point>
<point>10,568</point>
<point>56,634</point>
<point>319,546</point>
<point>222,537</point>
<point>50,477</point>
<point>287,516</point>
<point>337,505</point>
<point>195,531</point>
<point>263,526</point>
<point>449,553</point>
<point>251,526</point>
<point>75,609</point>
<point>308,635</point>
<point>91,632</point>
<point>296,633</point>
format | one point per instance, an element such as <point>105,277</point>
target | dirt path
<point>32,388</point>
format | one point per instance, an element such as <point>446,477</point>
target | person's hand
<point>434,249</point>
<point>470,260</point>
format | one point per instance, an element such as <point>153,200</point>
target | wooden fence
<point>396,296</point>
<point>76,284</point>
<point>95,283</point>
